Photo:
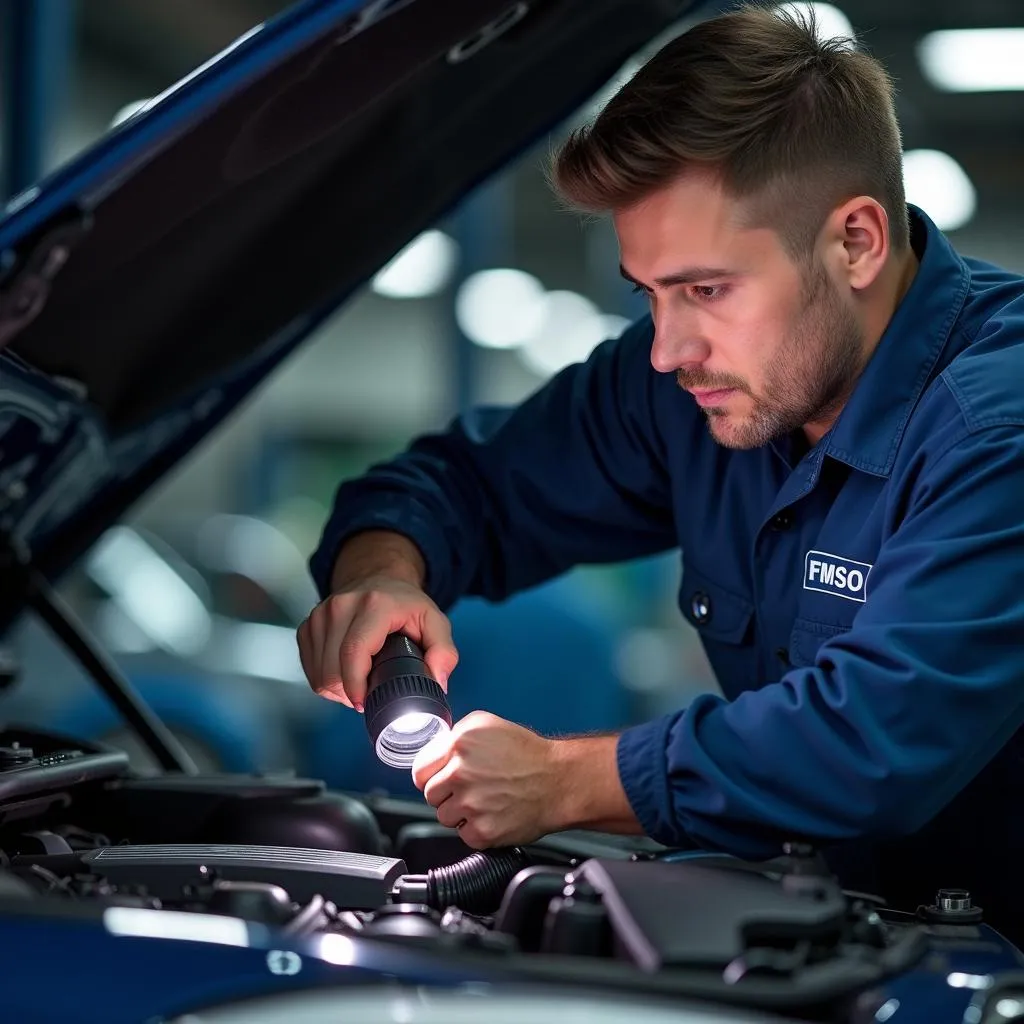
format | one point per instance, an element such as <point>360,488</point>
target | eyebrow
<point>689,275</point>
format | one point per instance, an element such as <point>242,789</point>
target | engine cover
<point>353,880</point>
<point>696,915</point>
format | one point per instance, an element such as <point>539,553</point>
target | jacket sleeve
<point>896,715</point>
<point>507,498</point>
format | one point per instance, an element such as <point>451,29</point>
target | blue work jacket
<point>861,603</point>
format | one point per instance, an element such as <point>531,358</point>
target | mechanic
<point>823,412</point>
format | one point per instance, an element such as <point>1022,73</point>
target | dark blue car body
<point>157,978</point>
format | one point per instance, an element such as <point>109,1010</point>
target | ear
<point>857,241</point>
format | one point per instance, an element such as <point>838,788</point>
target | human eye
<point>709,292</point>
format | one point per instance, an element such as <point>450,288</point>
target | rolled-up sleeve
<point>896,715</point>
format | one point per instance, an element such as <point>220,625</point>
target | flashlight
<point>404,708</point>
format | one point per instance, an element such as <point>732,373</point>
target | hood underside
<point>150,286</point>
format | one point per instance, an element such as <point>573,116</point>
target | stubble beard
<point>807,381</point>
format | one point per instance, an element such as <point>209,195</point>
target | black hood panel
<point>277,203</point>
<point>304,184</point>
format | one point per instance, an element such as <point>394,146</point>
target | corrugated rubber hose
<point>477,883</point>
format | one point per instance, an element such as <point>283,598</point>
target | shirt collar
<point>869,429</point>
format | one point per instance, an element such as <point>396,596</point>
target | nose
<point>677,348</point>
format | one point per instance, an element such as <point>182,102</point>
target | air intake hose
<point>475,884</point>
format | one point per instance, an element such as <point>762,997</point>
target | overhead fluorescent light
<point>973,59</point>
<point>934,181</point>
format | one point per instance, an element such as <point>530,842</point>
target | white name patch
<point>833,574</point>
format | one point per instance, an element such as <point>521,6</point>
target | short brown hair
<point>795,123</point>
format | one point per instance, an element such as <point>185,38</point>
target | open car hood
<point>147,287</point>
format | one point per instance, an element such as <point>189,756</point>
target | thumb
<point>431,759</point>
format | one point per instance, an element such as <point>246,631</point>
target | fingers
<point>440,786</point>
<point>366,633</point>
<point>430,760</point>
<point>440,769</point>
<point>478,831</point>
<point>439,648</point>
<point>490,779</point>
<point>342,635</point>
<point>311,636</point>
<point>355,645</point>
<point>329,625</point>
<point>450,814</point>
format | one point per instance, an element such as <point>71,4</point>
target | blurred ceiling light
<point>831,21</point>
<point>147,589</point>
<point>973,59</point>
<point>571,329</point>
<point>128,110</point>
<point>500,308</point>
<point>940,186</point>
<point>421,269</point>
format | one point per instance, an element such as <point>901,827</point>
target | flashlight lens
<point>412,722</point>
<point>400,742</point>
<point>405,708</point>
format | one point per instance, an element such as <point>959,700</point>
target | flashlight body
<point>398,657</point>
<point>400,686</point>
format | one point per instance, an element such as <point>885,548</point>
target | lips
<point>716,397</point>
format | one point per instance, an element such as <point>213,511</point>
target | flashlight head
<point>405,708</point>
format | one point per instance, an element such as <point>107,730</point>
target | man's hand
<point>491,779</point>
<point>377,590</point>
<point>502,785</point>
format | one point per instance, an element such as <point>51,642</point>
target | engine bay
<point>79,829</point>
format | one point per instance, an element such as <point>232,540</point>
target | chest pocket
<point>725,622</point>
<point>807,637</point>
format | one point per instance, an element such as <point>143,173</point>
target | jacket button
<point>782,521</point>
<point>700,605</point>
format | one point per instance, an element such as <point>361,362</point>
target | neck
<point>894,284</point>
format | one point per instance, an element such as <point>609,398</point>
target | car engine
<point>79,829</point>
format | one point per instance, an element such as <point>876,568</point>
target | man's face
<point>763,344</point>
